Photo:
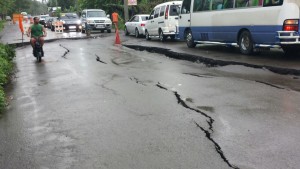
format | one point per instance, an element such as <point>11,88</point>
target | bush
<point>7,53</point>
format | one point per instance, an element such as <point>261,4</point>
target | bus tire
<point>189,39</point>
<point>246,43</point>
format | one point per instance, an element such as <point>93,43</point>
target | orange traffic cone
<point>118,41</point>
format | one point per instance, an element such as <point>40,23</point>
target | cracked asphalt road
<point>90,104</point>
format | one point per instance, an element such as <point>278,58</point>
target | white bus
<point>249,24</point>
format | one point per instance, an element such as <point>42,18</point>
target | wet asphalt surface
<point>92,104</point>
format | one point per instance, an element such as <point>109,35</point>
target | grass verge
<point>7,53</point>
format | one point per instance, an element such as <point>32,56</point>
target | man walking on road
<point>37,31</point>
<point>115,19</point>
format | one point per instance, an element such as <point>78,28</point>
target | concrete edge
<point>211,62</point>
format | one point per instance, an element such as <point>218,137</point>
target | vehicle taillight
<point>142,24</point>
<point>291,25</point>
<point>167,12</point>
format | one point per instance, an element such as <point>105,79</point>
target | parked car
<point>136,25</point>
<point>163,21</point>
<point>71,21</point>
<point>96,19</point>
<point>42,19</point>
<point>8,18</point>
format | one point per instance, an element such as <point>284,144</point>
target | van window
<point>151,15</point>
<point>174,10</point>
<point>162,11</point>
<point>156,13</point>
<point>186,7</point>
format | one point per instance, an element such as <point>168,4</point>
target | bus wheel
<point>290,50</point>
<point>189,39</point>
<point>246,43</point>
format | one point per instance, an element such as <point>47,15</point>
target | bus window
<point>273,2</point>
<point>227,4</point>
<point>186,7</point>
<point>255,3</point>
<point>217,5</point>
<point>241,3</point>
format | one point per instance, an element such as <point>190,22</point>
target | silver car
<point>136,25</point>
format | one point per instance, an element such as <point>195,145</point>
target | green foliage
<point>7,53</point>
<point>2,25</point>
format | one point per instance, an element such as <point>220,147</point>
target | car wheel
<point>126,31</point>
<point>137,34</point>
<point>108,30</point>
<point>246,43</point>
<point>189,39</point>
<point>162,37</point>
<point>147,35</point>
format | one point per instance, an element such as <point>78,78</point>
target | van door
<point>185,17</point>
<point>173,17</point>
<point>154,30</point>
<point>149,24</point>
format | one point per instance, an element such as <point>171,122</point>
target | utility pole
<point>126,14</point>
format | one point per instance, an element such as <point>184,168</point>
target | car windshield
<point>144,18</point>
<point>174,10</point>
<point>91,14</point>
<point>70,16</point>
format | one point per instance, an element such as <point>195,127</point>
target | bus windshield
<point>273,2</point>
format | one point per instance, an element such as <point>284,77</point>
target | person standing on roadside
<point>115,19</point>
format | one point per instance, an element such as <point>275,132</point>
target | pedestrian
<point>115,19</point>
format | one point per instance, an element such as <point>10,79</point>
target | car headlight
<point>63,22</point>
<point>107,21</point>
<point>78,22</point>
<point>90,21</point>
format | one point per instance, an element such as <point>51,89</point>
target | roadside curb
<point>20,44</point>
<point>211,62</point>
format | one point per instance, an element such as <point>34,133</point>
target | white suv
<point>163,21</point>
<point>96,19</point>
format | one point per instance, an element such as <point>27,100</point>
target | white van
<point>163,21</point>
<point>96,19</point>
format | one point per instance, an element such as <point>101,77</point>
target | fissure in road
<point>210,122</point>
<point>66,52</point>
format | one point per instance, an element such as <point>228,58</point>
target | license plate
<point>72,27</point>
<point>100,26</point>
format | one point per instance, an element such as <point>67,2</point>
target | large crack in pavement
<point>99,60</point>
<point>210,122</point>
<point>211,62</point>
<point>268,84</point>
<point>66,52</point>
<point>137,81</point>
<point>217,146</point>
